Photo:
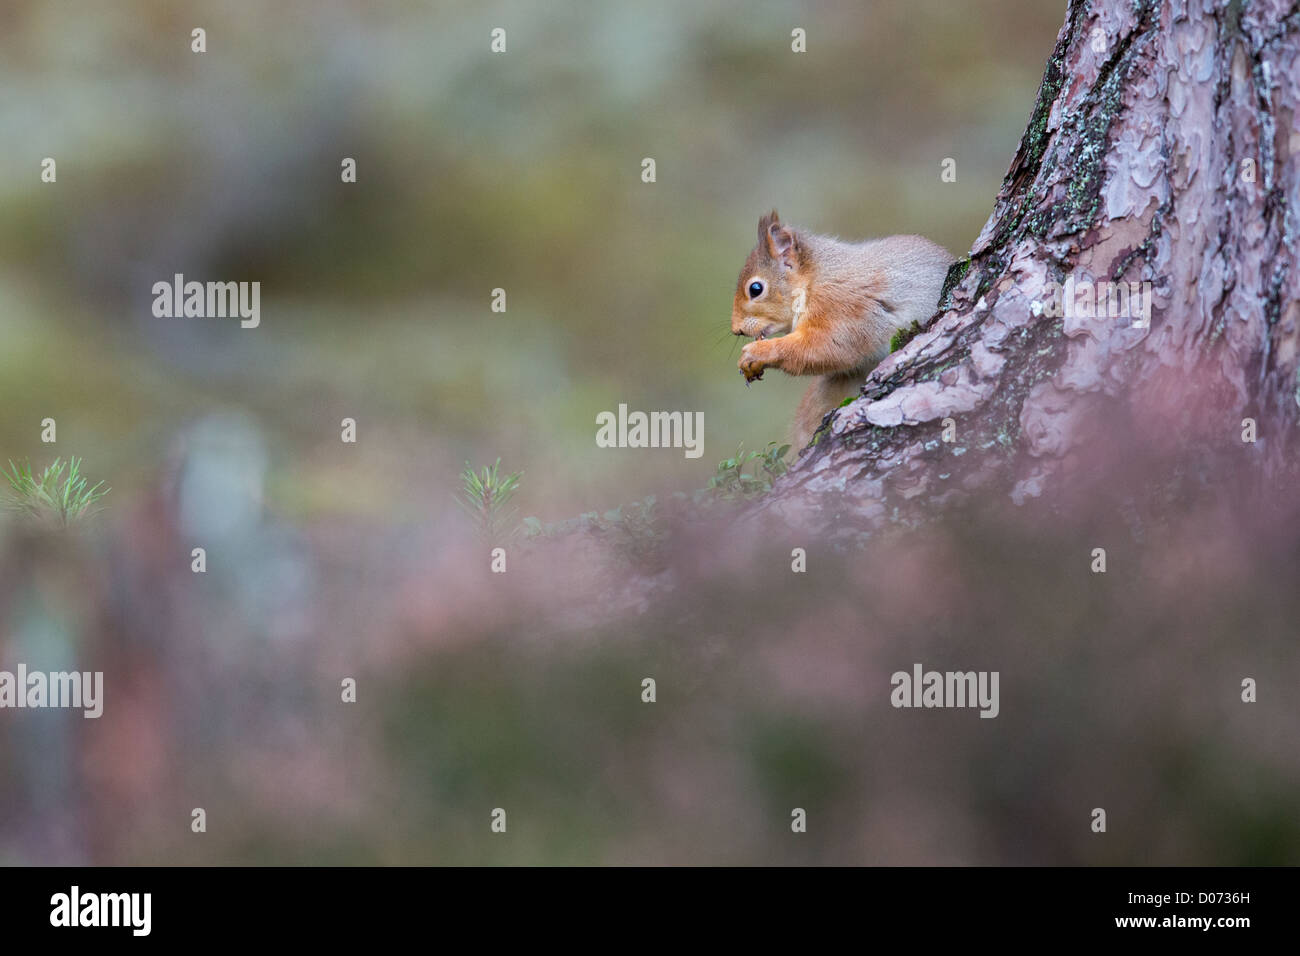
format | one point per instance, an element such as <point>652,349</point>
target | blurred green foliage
<point>733,481</point>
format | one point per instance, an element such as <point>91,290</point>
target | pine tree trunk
<point>1163,149</point>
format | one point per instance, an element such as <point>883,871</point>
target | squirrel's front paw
<point>755,357</point>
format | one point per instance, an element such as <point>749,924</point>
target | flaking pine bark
<point>1158,179</point>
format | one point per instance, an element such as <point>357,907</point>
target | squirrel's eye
<point>755,289</point>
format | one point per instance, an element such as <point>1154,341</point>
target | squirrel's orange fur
<point>854,297</point>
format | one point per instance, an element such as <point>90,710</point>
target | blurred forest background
<point>328,560</point>
<point>475,171</point>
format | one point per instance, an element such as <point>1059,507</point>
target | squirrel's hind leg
<point>823,395</point>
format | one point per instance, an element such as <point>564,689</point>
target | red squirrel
<point>840,302</point>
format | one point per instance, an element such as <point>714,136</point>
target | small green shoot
<point>60,493</point>
<point>486,498</point>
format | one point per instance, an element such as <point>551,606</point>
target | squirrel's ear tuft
<point>782,243</point>
<point>765,224</point>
